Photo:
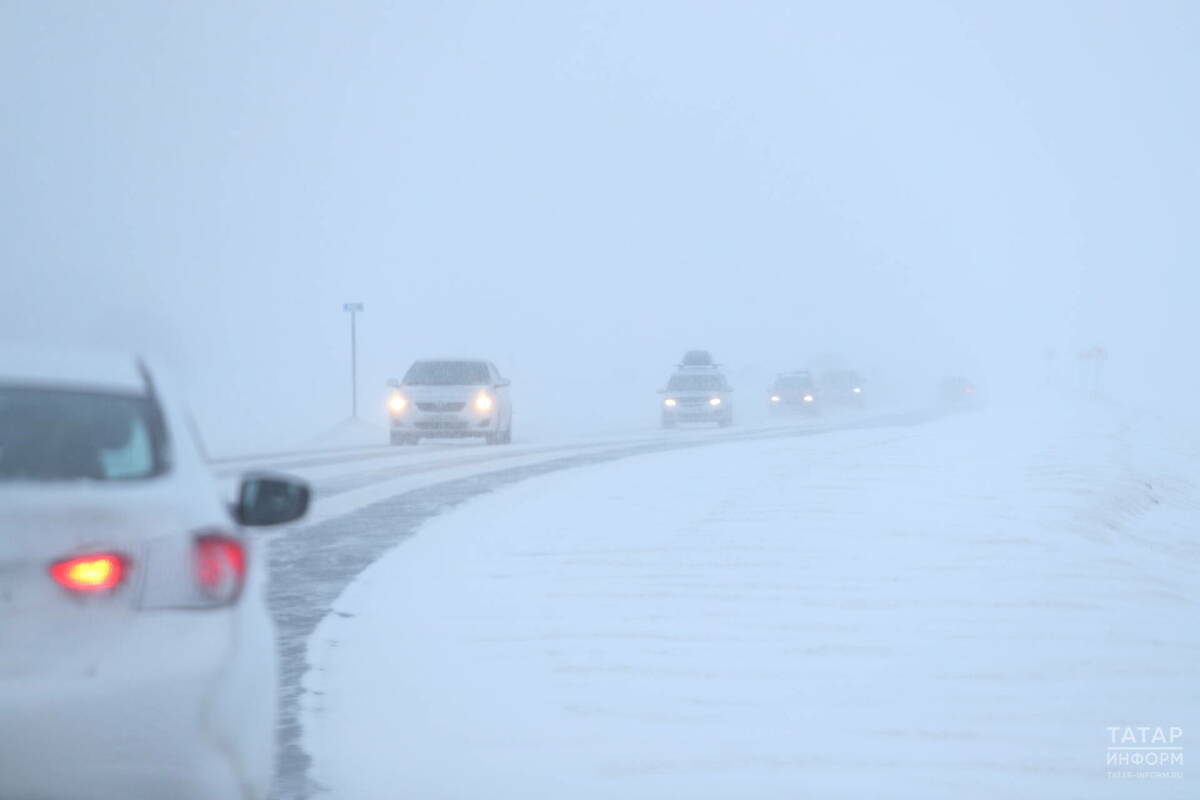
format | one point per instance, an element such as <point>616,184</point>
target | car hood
<point>703,394</point>
<point>442,394</point>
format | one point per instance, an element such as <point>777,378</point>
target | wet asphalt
<point>311,565</point>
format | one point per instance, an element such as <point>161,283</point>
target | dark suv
<point>843,387</point>
<point>794,393</point>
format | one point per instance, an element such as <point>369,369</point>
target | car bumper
<point>698,413</point>
<point>798,407</point>
<point>445,425</point>
<point>170,715</point>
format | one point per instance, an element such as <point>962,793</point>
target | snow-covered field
<point>959,609</point>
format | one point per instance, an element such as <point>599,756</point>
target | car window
<point>59,435</point>
<point>447,373</point>
<point>794,382</point>
<point>694,383</point>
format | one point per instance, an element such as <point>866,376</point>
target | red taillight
<point>90,573</point>
<point>220,566</point>
<point>969,390</point>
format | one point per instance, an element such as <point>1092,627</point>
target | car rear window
<point>696,383</point>
<point>448,373</point>
<point>61,435</point>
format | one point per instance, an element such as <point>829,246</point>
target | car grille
<point>693,401</point>
<point>442,408</point>
<point>442,425</point>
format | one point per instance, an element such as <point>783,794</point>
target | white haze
<point>581,191</point>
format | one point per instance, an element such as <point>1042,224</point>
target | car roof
<point>71,368</point>
<point>454,360</point>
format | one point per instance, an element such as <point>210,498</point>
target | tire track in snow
<point>311,565</point>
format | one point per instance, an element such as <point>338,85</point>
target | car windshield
<point>447,373</point>
<point>58,435</point>
<point>695,383</point>
<point>794,382</point>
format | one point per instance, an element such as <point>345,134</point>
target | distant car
<point>137,655</point>
<point>697,358</point>
<point>958,392</point>
<point>794,393</point>
<point>843,387</point>
<point>697,394</point>
<point>451,398</point>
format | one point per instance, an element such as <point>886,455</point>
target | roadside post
<point>355,309</point>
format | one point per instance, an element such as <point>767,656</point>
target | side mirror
<point>661,391</point>
<point>503,382</point>
<point>393,383</point>
<point>265,499</point>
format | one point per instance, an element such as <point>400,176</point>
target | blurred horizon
<point>580,192</point>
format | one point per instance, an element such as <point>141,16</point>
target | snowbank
<point>960,609</point>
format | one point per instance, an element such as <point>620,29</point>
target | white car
<point>137,658</point>
<point>697,394</point>
<point>451,398</point>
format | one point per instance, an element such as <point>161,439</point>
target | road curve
<point>311,565</point>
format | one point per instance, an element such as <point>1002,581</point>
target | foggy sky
<point>580,191</point>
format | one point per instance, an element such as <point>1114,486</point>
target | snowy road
<point>961,608</point>
<point>370,499</point>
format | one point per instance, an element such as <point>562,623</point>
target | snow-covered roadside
<point>958,609</point>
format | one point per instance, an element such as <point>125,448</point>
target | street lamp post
<point>354,309</point>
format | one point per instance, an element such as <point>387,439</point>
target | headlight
<point>716,401</point>
<point>670,402</point>
<point>808,398</point>
<point>774,398</point>
<point>398,403</point>
<point>484,402</point>
<point>857,390</point>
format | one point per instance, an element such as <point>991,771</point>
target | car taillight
<point>95,572</point>
<point>220,566</point>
